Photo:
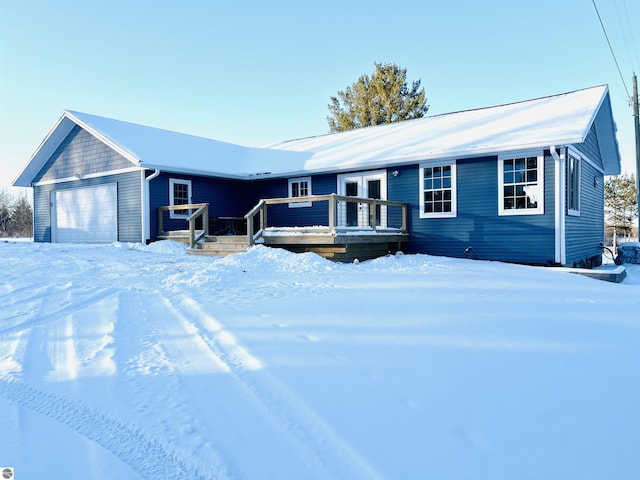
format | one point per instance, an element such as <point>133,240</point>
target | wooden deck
<point>344,245</point>
<point>334,241</point>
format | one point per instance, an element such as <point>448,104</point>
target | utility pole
<point>636,121</point>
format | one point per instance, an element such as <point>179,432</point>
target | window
<point>438,190</point>
<point>521,185</point>
<point>299,187</point>
<point>179,194</point>
<point>573,185</point>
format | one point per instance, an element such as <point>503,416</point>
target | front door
<point>363,185</point>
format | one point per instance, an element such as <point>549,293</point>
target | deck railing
<point>336,215</point>
<point>199,210</point>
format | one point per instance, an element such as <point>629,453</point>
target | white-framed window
<point>574,167</point>
<point>179,194</point>
<point>299,187</point>
<point>438,186</point>
<point>521,184</point>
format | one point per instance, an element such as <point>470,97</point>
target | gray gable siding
<point>524,239</point>
<point>129,206</point>
<point>81,153</point>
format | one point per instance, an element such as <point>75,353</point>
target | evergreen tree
<point>620,204</point>
<point>384,97</point>
<point>5,212</point>
<point>21,223</point>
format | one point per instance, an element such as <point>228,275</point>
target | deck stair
<point>220,246</point>
<point>181,235</point>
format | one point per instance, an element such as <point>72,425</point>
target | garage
<point>85,215</point>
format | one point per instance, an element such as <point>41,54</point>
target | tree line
<point>621,208</point>
<point>16,216</point>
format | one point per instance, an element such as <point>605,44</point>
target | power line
<point>633,40</point>
<point>611,48</point>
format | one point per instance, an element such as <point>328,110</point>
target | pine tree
<point>620,204</point>
<point>5,212</point>
<point>22,218</point>
<point>384,97</point>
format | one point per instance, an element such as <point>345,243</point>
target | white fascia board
<point>594,114</point>
<point>87,176</point>
<point>575,153</point>
<point>194,171</point>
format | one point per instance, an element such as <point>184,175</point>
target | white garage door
<point>85,215</point>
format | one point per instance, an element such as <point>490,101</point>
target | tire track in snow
<point>145,456</point>
<point>74,305</point>
<point>314,440</point>
<point>152,404</point>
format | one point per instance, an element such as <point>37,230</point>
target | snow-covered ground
<point>141,362</point>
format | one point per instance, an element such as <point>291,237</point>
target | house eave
<point>52,141</point>
<point>400,161</point>
<point>39,157</point>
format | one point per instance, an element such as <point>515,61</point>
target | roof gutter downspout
<point>146,214</point>
<point>560,193</point>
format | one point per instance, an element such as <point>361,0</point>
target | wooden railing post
<point>192,231</point>
<point>160,225</point>
<point>404,218</point>
<point>372,214</point>
<point>263,216</point>
<point>250,229</point>
<point>332,212</point>
<point>205,219</point>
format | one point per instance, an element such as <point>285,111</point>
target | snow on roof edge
<point>605,88</point>
<point>102,136</point>
<point>271,161</point>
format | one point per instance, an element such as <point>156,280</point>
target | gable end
<point>80,154</point>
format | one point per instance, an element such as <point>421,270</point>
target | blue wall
<point>585,233</point>
<point>523,238</point>
<point>283,215</point>
<point>478,227</point>
<point>226,198</point>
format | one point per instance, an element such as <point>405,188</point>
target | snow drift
<point>140,362</point>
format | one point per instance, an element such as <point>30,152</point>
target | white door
<point>363,185</point>
<point>85,215</point>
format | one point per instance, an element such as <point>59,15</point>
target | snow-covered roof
<point>556,120</point>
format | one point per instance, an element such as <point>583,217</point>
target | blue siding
<point>42,213</point>
<point>283,215</point>
<point>584,233</point>
<point>129,206</point>
<point>525,239</point>
<point>226,198</point>
<point>81,153</point>
<point>590,147</point>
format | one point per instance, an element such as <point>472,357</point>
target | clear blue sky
<point>254,72</point>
